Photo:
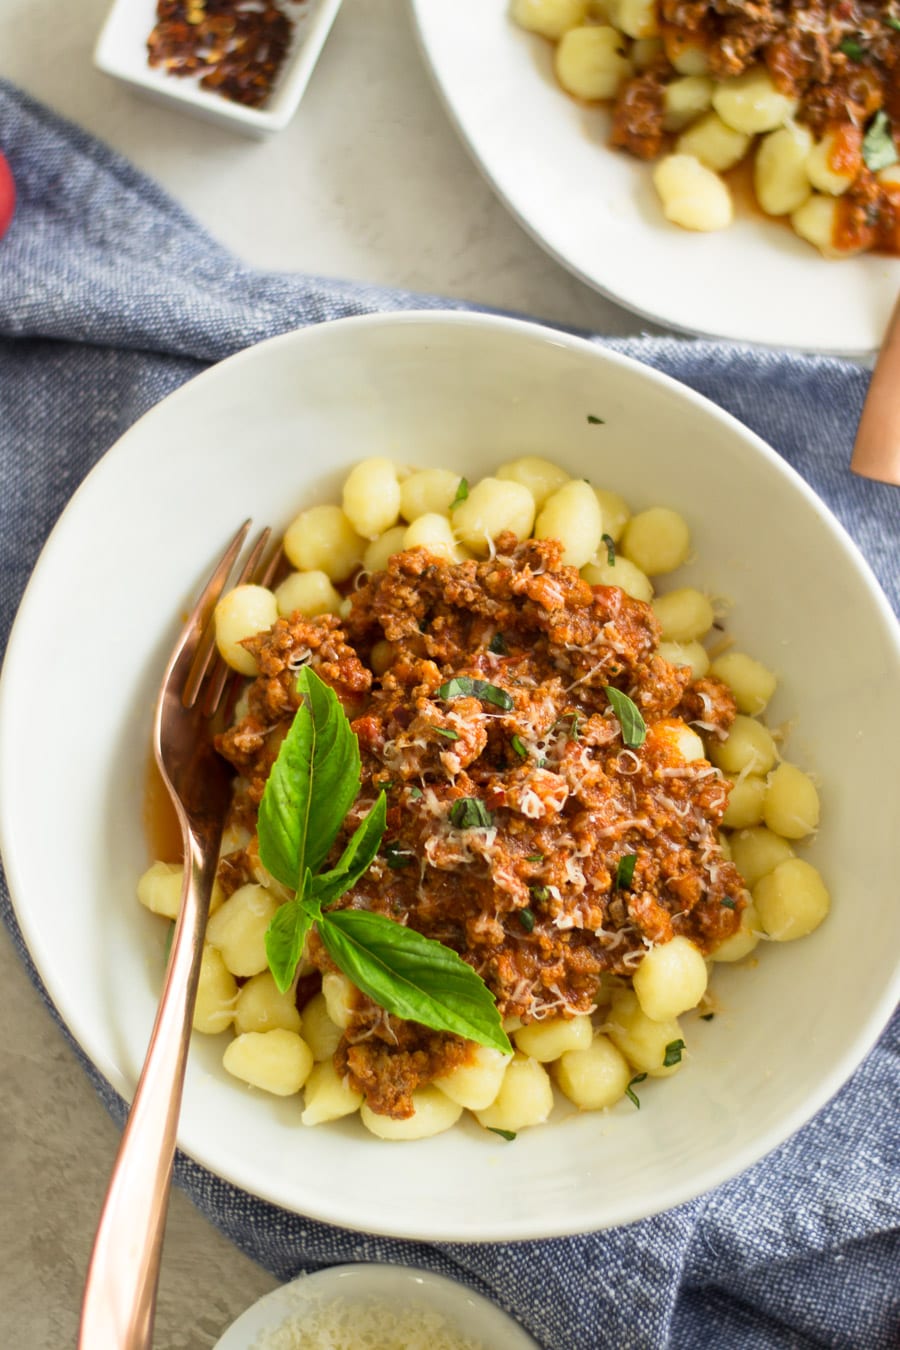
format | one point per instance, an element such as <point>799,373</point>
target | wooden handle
<point>876,451</point>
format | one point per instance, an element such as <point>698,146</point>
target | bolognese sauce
<point>523,831</point>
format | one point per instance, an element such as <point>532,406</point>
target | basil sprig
<point>634,728</point>
<point>461,686</point>
<point>313,783</point>
<point>610,543</point>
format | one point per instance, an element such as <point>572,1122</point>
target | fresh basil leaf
<point>462,493</point>
<point>634,728</point>
<point>498,645</point>
<point>728,902</point>
<point>526,919</point>
<point>470,813</point>
<point>412,976</point>
<point>356,858</point>
<point>852,49</point>
<point>541,894</point>
<point>414,793</point>
<point>878,148</point>
<point>397,857</point>
<point>893,23</point>
<point>297,825</point>
<point>595,422</point>
<point>534,857</point>
<point>629,1091</point>
<point>610,543</point>
<point>286,935</point>
<point>508,1135</point>
<point>447,732</point>
<point>464,687</point>
<point>673,1053</point>
<point>625,871</point>
<point>519,747</point>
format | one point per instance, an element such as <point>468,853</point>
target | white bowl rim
<point>677,1192</point>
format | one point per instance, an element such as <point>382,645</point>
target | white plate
<point>276,428</point>
<point>596,211</point>
<point>465,1312</point>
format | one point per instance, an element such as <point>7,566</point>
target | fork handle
<point>120,1291</point>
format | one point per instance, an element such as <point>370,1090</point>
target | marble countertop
<point>312,198</point>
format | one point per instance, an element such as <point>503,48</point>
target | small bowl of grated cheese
<point>374,1307</point>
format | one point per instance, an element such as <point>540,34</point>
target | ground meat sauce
<point>529,899</point>
<point>839,58</point>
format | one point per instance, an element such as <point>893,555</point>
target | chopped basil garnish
<point>878,148</point>
<point>414,793</point>
<point>572,719</point>
<point>169,936</point>
<point>595,421</point>
<point>535,857</point>
<point>728,902</point>
<point>519,747</point>
<point>707,1017</point>
<point>540,893</point>
<point>462,493</point>
<point>673,1053</point>
<point>629,1091</point>
<point>850,47</point>
<point>508,1135</point>
<point>625,871</point>
<point>498,645</point>
<point>470,813</point>
<point>447,732</point>
<point>526,919</point>
<point>610,549</point>
<point>461,686</point>
<point>893,23</point>
<point>634,728</point>
<point>397,857</point>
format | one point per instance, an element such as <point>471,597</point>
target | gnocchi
<point>700,105</point>
<point>298,1043</point>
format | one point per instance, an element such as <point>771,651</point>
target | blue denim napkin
<point>110,298</point>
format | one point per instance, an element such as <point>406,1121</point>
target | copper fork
<point>120,1291</point>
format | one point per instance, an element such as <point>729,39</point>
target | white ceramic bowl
<point>121,51</point>
<point>276,428</point>
<point>400,1288</point>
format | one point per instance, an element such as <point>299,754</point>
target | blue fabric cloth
<point>110,298</point>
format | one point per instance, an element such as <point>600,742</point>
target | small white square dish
<point>121,51</point>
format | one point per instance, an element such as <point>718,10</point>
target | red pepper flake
<point>236,46</point>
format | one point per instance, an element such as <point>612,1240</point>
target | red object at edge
<point>7,196</point>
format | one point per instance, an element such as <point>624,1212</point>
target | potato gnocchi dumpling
<point>700,97</point>
<point>292,1044</point>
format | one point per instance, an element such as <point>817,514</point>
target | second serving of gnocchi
<point>563,804</point>
<point>807,95</point>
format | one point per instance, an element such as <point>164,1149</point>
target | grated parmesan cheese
<point>365,1324</point>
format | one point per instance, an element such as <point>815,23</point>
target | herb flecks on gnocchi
<point>808,92</point>
<point>577,799</point>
